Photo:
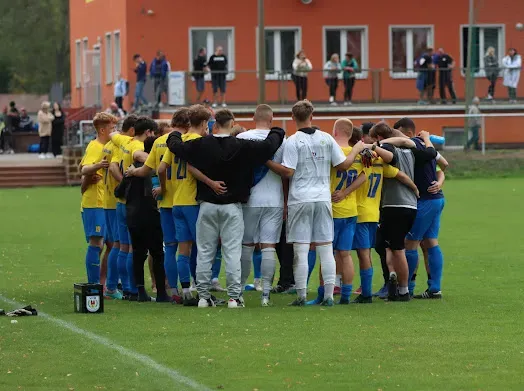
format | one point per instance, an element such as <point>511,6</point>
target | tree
<point>34,44</point>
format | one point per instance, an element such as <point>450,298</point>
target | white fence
<point>454,133</point>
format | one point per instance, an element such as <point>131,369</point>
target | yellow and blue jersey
<point>185,184</point>
<point>109,182</point>
<point>341,180</point>
<point>153,161</point>
<point>93,197</point>
<point>369,194</point>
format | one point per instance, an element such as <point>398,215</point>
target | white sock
<point>185,290</point>
<point>327,262</point>
<point>403,290</point>
<point>300,266</point>
<point>214,280</point>
<point>392,274</point>
<point>338,280</point>
<point>302,293</point>
<point>246,259</point>
<point>269,264</point>
<point>328,291</point>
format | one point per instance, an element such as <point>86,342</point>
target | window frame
<point>108,54</point>
<point>410,73</point>
<point>117,69</point>
<point>231,49</point>
<point>78,63</point>
<point>364,42</point>
<point>500,51</point>
<point>278,68</point>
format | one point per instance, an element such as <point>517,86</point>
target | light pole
<point>261,54</point>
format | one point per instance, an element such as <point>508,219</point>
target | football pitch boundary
<point>107,343</point>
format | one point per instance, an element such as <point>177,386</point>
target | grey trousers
<point>224,222</point>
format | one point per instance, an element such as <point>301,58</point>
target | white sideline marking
<point>143,359</point>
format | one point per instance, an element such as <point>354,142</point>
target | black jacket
<point>226,159</point>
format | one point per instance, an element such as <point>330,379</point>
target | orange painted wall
<point>168,29</point>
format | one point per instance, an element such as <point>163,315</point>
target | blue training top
<point>425,174</point>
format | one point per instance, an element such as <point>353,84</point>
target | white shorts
<point>310,222</point>
<point>262,224</point>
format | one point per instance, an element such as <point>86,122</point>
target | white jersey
<point>311,156</point>
<point>268,191</point>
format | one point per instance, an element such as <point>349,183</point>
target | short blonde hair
<point>263,112</point>
<point>490,51</point>
<point>103,119</point>
<point>45,105</point>
<point>343,125</point>
<point>237,129</point>
<point>302,110</point>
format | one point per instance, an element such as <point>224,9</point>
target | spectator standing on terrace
<point>331,70</point>
<point>115,110</point>
<point>218,66</point>
<point>120,91</point>
<point>57,133</point>
<point>141,78</point>
<point>159,70</point>
<point>199,70</point>
<point>474,124</point>
<point>350,67</point>
<point>45,127</point>
<point>445,65</point>
<point>512,64</point>
<point>5,134</point>
<point>301,67</point>
<point>491,67</point>
<point>425,79</point>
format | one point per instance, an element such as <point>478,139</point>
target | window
<point>116,55</point>
<point>484,36</point>
<point>109,59</point>
<point>351,39</point>
<point>78,63</point>
<point>407,43</point>
<point>210,38</point>
<point>282,45</point>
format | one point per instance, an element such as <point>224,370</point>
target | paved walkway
<point>28,159</point>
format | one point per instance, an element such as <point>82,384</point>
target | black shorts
<point>218,81</point>
<point>395,224</point>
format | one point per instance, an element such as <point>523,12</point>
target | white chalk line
<point>143,359</point>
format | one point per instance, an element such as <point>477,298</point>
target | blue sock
<point>412,258</point>
<point>193,262</point>
<point>257,262</point>
<point>311,260</point>
<point>112,269</point>
<point>170,265</point>
<point>435,262</point>
<point>345,291</point>
<point>131,274</point>
<point>411,285</point>
<point>366,280</point>
<point>215,269</point>
<point>320,293</point>
<point>122,270</point>
<point>184,273</point>
<point>93,264</point>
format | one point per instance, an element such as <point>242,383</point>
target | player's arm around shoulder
<point>289,159</point>
<point>339,160</point>
<point>94,163</point>
<point>259,152</point>
<point>188,150</point>
<point>406,180</point>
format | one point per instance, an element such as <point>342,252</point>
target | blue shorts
<point>365,236</point>
<point>427,222</point>
<point>168,225</point>
<point>185,222</point>
<point>94,222</point>
<point>121,221</point>
<point>111,225</point>
<point>344,233</point>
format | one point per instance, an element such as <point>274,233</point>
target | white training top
<point>268,191</point>
<point>311,156</point>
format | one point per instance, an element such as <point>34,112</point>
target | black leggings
<point>285,256</point>
<point>333,85</point>
<point>147,235</point>
<point>301,87</point>
<point>492,82</point>
<point>349,83</point>
<point>44,144</point>
<point>56,141</point>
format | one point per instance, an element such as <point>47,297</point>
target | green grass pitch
<point>471,340</point>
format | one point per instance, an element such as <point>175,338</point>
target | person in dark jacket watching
<point>222,157</point>
<point>26,123</point>
<point>199,70</point>
<point>143,219</point>
<point>218,66</point>
<point>445,65</point>
<point>58,126</point>
<point>158,71</point>
<point>141,78</point>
